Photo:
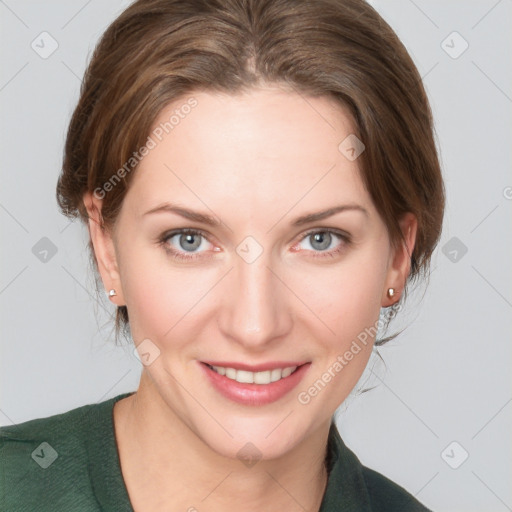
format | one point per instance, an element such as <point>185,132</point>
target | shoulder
<point>353,486</point>
<point>43,440</point>
<point>45,462</point>
<point>386,495</point>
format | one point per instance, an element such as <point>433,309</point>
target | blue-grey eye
<point>189,241</point>
<point>186,240</point>
<point>321,240</point>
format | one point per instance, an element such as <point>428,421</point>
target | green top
<point>69,462</point>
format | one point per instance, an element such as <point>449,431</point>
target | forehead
<point>264,148</point>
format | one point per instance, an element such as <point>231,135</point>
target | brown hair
<point>159,50</point>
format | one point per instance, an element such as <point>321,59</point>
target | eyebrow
<point>212,221</point>
<point>186,213</point>
<point>313,217</point>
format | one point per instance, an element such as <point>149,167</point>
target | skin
<point>256,161</point>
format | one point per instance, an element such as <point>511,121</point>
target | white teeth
<point>287,372</point>
<point>220,369</point>
<point>245,377</point>
<point>230,373</point>
<point>275,375</point>
<point>262,377</point>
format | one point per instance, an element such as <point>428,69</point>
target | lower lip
<point>254,394</point>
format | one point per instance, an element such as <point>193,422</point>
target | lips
<point>287,374</point>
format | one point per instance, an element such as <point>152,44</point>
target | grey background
<point>447,377</point>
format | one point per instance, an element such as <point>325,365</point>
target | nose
<point>255,307</point>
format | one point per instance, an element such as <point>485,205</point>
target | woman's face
<point>257,289</point>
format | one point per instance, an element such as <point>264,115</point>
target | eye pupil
<point>189,237</point>
<point>324,238</point>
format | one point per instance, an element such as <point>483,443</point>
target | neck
<point>166,465</point>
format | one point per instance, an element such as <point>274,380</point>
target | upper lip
<point>271,365</point>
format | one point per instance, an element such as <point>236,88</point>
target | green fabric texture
<point>69,462</point>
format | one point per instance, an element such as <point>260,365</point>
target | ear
<point>104,249</point>
<point>400,261</point>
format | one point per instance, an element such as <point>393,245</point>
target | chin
<point>252,438</point>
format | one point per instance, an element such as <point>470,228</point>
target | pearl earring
<point>391,292</point>
<point>112,293</point>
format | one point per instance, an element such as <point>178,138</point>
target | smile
<point>254,388</point>
<point>246,377</point>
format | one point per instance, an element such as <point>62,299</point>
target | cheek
<point>348,305</point>
<point>347,297</point>
<point>157,294</point>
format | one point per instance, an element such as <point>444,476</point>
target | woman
<point>259,180</point>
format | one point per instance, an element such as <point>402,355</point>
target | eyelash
<point>164,239</point>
